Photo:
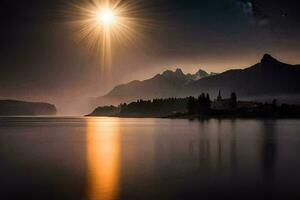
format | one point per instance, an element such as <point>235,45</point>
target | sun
<point>105,24</point>
<point>108,27</point>
<point>106,17</point>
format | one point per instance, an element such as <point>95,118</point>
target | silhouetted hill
<point>269,77</point>
<point>13,107</point>
<point>105,111</point>
<point>141,108</point>
<point>162,85</point>
<point>265,80</point>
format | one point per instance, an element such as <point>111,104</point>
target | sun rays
<point>106,26</point>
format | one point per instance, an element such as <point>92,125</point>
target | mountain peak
<point>202,73</point>
<point>199,75</point>
<point>177,73</point>
<point>268,59</point>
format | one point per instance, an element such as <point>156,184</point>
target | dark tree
<point>233,98</point>
<point>191,105</point>
<point>274,103</point>
<point>208,101</point>
<point>155,107</point>
<point>203,104</point>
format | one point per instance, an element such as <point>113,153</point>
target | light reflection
<point>103,158</point>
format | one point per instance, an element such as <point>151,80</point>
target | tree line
<point>202,104</point>
<point>154,107</point>
<point>198,106</point>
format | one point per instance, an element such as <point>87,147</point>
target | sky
<point>41,59</point>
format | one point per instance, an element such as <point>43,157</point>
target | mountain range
<point>265,80</point>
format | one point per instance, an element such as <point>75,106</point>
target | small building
<point>247,104</point>
<point>223,104</point>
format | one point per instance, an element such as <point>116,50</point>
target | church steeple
<point>219,96</point>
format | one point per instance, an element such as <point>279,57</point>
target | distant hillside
<point>13,107</point>
<point>164,85</point>
<point>141,108</point>
<point>267,79</point>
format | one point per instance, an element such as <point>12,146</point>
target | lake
<point>143,159</point>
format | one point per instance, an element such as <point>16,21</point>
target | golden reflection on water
<point>103,158</point>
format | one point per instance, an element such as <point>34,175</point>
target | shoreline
<point>195,117</point>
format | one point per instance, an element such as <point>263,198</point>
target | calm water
<point>141,159</point>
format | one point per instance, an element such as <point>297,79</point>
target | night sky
<point>41,60</point>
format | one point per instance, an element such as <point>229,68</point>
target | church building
<point>224,104</point>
